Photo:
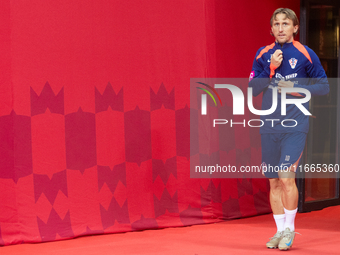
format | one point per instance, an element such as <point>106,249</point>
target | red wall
<point>94,113</point>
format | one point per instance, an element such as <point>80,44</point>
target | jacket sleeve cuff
<point>272,70</point>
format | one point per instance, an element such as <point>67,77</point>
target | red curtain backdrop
<point>94,113</point>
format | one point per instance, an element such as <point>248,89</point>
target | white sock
<point>290,218</point>
<point>280,220</point>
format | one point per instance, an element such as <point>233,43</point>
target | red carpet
<point>319,230</point>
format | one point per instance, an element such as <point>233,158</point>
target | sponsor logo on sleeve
<point>252,75</point>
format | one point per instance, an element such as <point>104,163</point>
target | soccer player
<point>275,67</point>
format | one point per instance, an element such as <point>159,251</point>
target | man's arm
<point>260,76</point>
<point>316,72</point>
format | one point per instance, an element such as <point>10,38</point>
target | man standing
<point>278,68</point>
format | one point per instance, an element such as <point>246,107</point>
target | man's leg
<point>290,196</point>
<point>290,201</point>
<point>275,196</point>
<point>275,199</point>
<point>292,145</point>
<point>270,158</point>
<point>290,192</point>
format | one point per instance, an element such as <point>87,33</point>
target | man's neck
<point>281,44</point>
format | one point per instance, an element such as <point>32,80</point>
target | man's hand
<point>285,84</point>
<point>276,59</point>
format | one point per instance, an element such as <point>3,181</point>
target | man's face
<point>283,29</point>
